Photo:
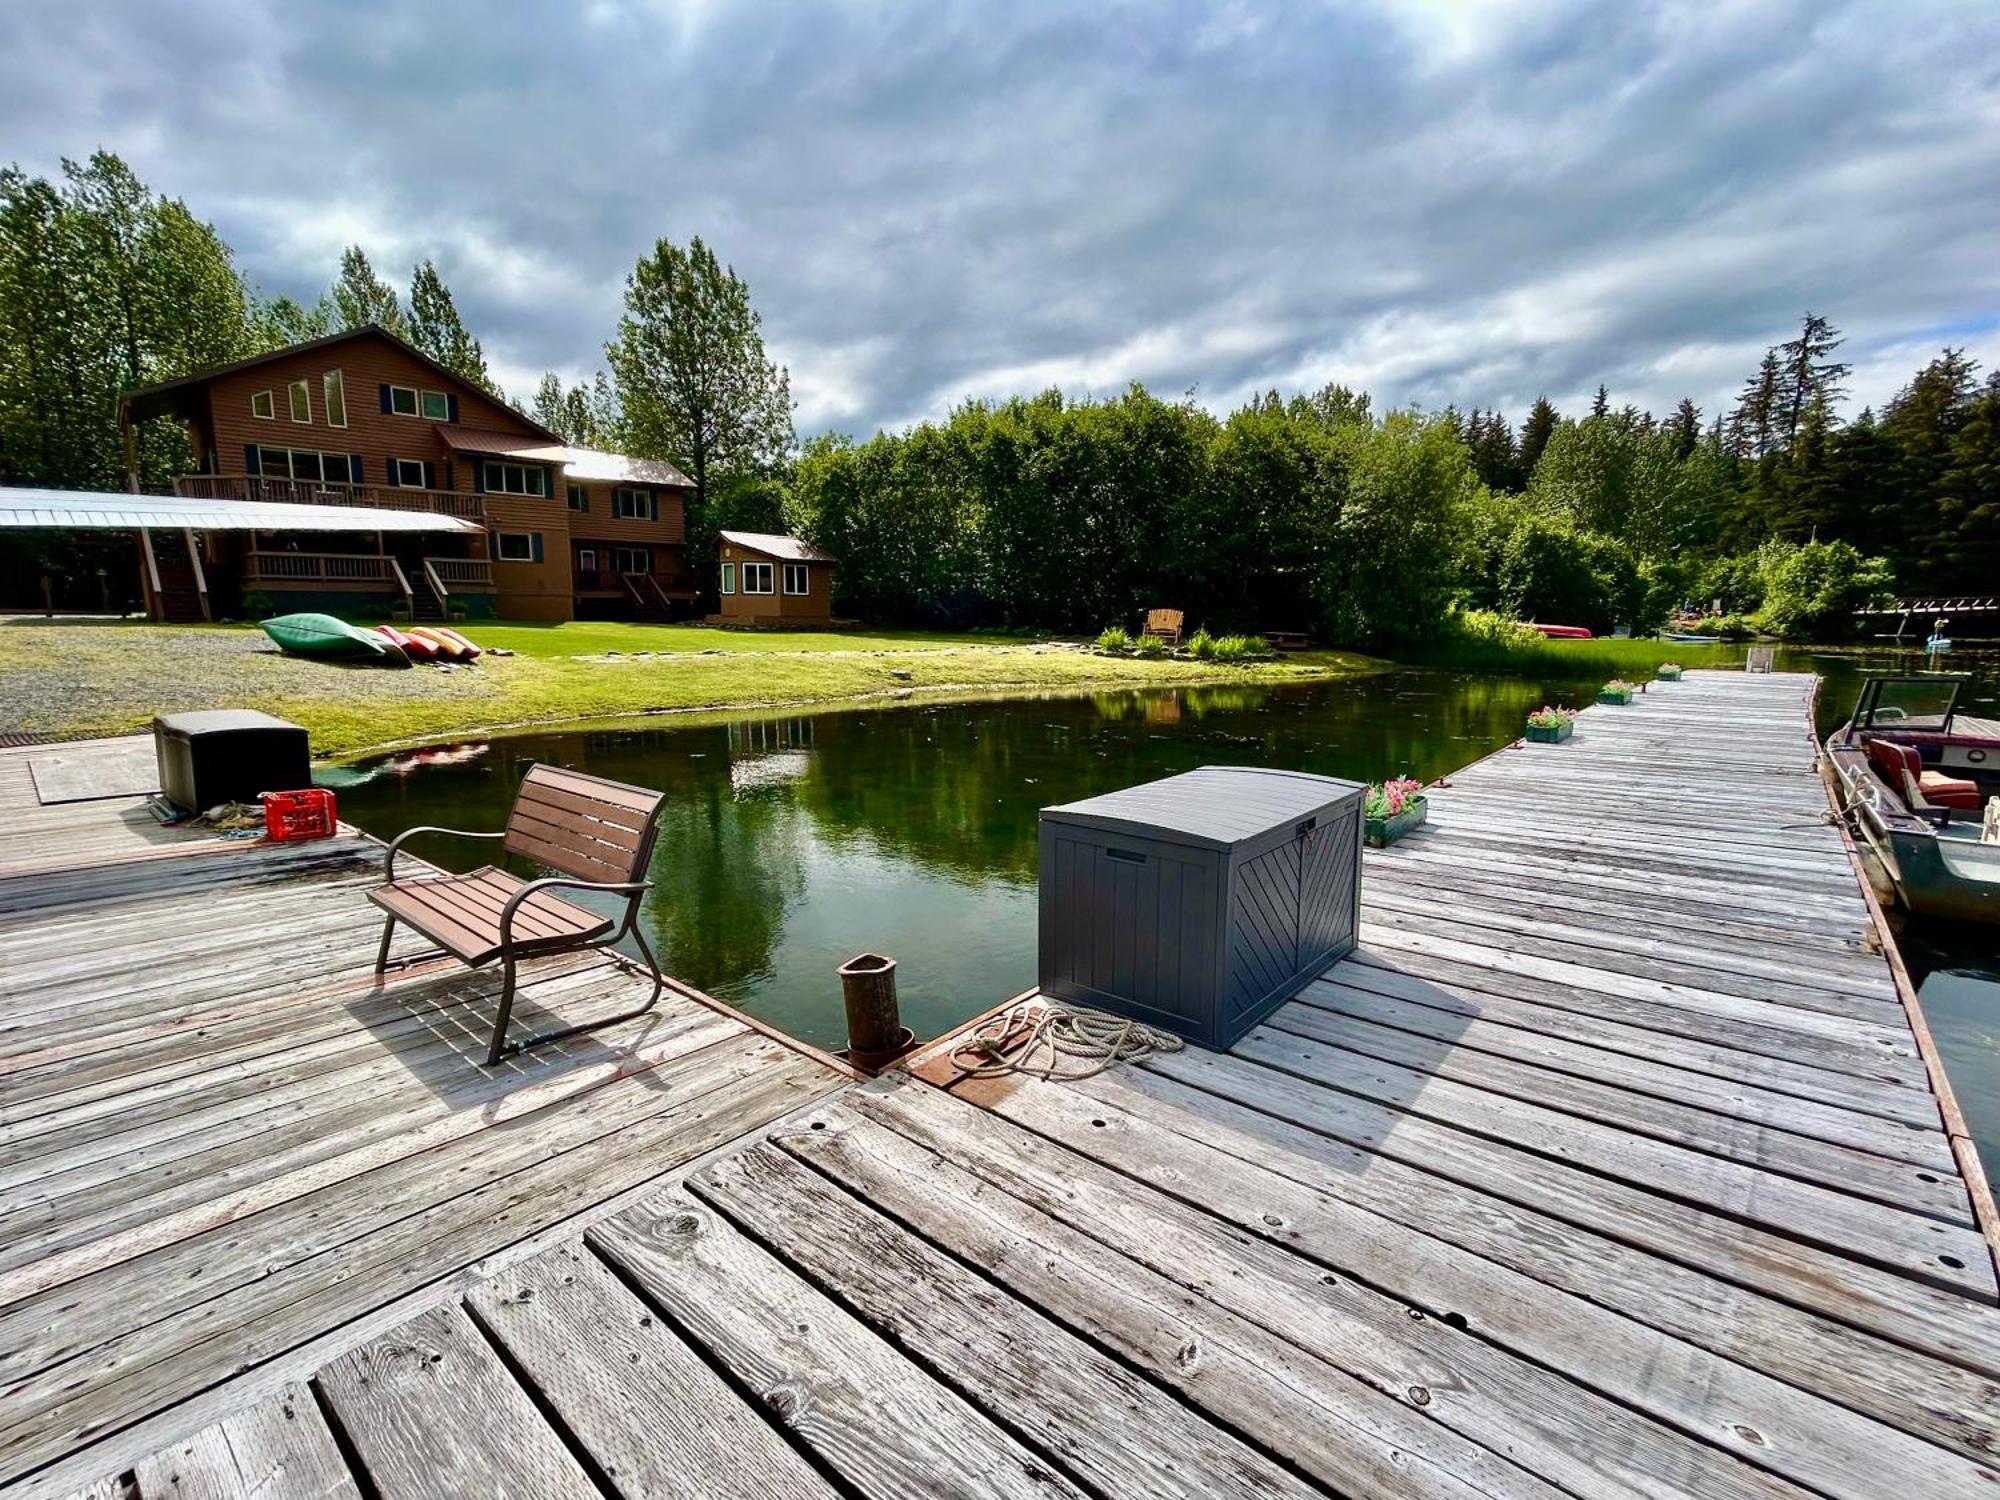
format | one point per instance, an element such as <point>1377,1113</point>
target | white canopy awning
<point>109,510</point>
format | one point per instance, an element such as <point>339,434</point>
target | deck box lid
<point>220,721</point>
<point>1216,807</point>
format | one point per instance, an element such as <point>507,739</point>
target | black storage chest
<point>1202,902</point>
<point>228,755</point>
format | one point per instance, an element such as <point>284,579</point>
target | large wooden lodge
<point>362,419</point>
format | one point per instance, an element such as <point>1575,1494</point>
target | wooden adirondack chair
<point>1165,624</point>
<point>596,834</point>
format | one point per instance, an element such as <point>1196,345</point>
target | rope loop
<point>1076,1043</point>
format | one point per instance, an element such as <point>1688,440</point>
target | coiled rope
<point>1056,1042</point>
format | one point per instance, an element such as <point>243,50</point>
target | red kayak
<point>1561,632</point>
<point>413,647</point>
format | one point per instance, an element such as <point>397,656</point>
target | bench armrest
<point>396,844</point>
<point>632,888</point>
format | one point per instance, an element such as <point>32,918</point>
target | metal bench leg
<point>500,1049</point>
<point>382,953</point>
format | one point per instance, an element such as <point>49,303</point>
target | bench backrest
<point>1165,621</point>
<point>584,826</point>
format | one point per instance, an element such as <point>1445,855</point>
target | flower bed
<point>1617,690</point>
<point>1550,726</point>
<point>1393,809</point>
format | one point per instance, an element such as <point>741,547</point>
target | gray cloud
<point>1443,200</point>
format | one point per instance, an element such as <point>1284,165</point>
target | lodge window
<point>631,560</point>
<point>514,546</point>
<point>513,479</point>
<point>303,463</point>
<point>757,578</point>
<point>632,505</point>
<point>729,578</point>
<point>579,499</point>
<point>264,404</point>
<point>335,393</point>
<point>403,400</point>
<point>586,560</point>
<point>796,581</point>
<point>410,473</point>
<point>436,406</point>
<point>302,401</point>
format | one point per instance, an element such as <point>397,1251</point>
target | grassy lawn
<point>70,678</point>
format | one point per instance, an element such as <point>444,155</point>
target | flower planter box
<point>1670,674</point>
<point>1383,832</point>
<point>1606,695</point>
<point>1537,735</point>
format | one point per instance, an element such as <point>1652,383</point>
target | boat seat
<point>1903,768</point>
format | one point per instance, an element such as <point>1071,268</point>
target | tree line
<point>1047,513</point>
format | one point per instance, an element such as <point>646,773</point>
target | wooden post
<point>874,1027</point>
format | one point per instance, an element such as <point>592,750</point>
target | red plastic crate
<point>292,816</point>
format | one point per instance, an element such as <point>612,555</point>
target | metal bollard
<point>876,1035</point>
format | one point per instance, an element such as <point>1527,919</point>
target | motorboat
<point>1920,783</point>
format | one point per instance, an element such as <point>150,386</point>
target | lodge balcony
<point>426,586</point>
<point>461,503</point>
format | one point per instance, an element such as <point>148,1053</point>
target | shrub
<point>258,605</point>
<point>1813,588</point>
<point>1242,648</point>
<point>1201,646</point>
<point>1117,641</point>
<point>1149,645</point>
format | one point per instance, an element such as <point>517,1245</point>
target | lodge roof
<point>117,510</point>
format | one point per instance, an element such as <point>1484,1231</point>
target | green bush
<point>1811,589</point>
<point>1236,649</point>
<point>1117,641</point>
<point>1149,645</point>
<point>1201,646</point>
<point>258,605</point>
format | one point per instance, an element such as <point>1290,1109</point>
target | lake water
<point>789,844</point>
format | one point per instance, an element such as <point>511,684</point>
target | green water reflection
<point>790,844</point>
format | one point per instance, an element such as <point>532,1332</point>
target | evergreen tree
<point>1966,549</point>
<point>1685,426</point>
<point>1807,374</point>
<point>1535,431</point>
<point>360,297</point>
<point>435,328</point>
<point>1601,403</point>
<point>578,422</point>
<point>547,407</point>
<point>1753,425</point>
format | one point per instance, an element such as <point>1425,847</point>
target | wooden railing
<point>343,568</point>
<point>462,572</point>
<point>326,492</point>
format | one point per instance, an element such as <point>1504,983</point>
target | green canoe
<point>323,635</point>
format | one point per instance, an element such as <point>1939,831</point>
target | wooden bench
<point>1165,625</point>
<point>596,834</point>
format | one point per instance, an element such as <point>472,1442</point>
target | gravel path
<point>57,677</point>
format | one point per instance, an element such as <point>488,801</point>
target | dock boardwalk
<point>1609,1165</point>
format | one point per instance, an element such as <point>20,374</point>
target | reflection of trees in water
<point>726,871</point>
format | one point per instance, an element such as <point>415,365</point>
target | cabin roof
<point>116,510</point>
<point>787,548</point>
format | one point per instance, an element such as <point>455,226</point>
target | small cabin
<point>774,581</point>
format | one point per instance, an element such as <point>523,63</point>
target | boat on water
<point>1921,784</point>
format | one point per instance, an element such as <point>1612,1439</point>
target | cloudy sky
<point>1470,201</point>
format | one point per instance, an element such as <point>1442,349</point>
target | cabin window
<point>515,546</point>
<point>579,498</point>
<point>796,581</point>
<point>632,505</point>
<point>586,560</point>
<point>632,559</point>
<point>302,401</point>
<point>403,400</point>
<point>307,466</point>
<point>335,393</point>
<point>729,578</point>
<point>264,404</point>
<point>436,406</point>
<point>302,463</point>
<point>410,473</point>
<point>757,578</point>
<point>513,479</point>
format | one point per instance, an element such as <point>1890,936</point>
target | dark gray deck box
<point>222,755</point>
<point>1203,902</point>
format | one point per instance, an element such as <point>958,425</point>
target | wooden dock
<point>1609,1165</point>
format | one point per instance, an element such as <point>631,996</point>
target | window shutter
<point>392,470</point>
<point>355,469</point>
<point>450,407</point>
<point>383,391</point>
<point>652,505</point>
<point>250,464</point>
<point>478,477</point>
<point>535,541</point>
<point>430,475</point>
